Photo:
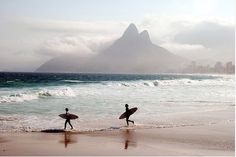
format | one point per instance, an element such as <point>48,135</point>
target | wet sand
<point>208,140</point>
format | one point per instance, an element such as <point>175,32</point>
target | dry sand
<point>208,140</point>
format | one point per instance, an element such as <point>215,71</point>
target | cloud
<point>69,37</point>
<point>71,44</point>
<point>193,37</point>
<point>27,43</point>
<point>209,34</point>
<point>64,45</point>
<point>183,48</point>
<point>78,27</point>
<point>20,61</point>
<point>216,37</point>
<point>42,39</point>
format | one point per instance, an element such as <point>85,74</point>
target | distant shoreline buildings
<point>219,68</point>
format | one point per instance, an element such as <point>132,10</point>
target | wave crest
<point>28,96</point>
<point>57,92</point>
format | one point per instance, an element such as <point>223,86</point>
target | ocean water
<point>33,101</point>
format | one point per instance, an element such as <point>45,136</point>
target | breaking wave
<point>30,95</point>
<point>71,91</point>
<point>67,92</point>
<point>175,82</point>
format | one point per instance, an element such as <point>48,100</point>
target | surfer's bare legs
<point>68,121</point>
<point>70,124</point>
<point>131,121</point>
<point>127,121</point>
<point>65,125</point>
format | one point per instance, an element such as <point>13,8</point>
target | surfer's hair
<point>126,105</point>
<point>67,109</point>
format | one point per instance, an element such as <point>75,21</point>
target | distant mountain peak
<point>145,36</point>
<point>132,34</point>
<point>131,30</point>
<point>132,53</point>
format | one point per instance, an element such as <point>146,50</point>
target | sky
<point>35,31</point>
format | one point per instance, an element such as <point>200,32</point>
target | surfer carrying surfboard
<point>67,119</point>
<point>128,113</point>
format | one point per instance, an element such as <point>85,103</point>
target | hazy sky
<point>34,31</point>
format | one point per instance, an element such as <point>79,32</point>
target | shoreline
<point>170,120</point>
<point>209,139</point>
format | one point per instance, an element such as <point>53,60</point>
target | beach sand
<point>209,140</point>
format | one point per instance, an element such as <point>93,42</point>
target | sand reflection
<point>129,137</point>
<point>69,138</point>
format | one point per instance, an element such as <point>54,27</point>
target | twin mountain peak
<point>132,32</point>
<point>133,52</point>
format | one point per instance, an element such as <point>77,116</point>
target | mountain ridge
<point>133,52</point>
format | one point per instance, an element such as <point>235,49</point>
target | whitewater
<point>32,102</point>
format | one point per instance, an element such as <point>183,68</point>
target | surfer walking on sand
<point>67,119</point>
<point>128,113</point>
